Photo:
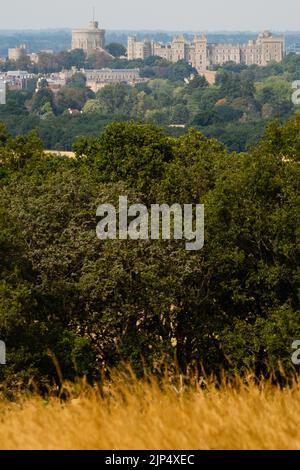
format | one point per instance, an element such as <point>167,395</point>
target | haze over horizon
<point>193,15</point>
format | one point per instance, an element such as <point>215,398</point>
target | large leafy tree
<point>95,304</point>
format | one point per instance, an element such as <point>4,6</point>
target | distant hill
<point>35,40</point>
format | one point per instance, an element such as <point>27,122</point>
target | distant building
<point>16,79</point>
<point>17,53</point>
<point>98,79</point>
<point>89,39</point>
<point>266,49</point>
<point>138,50</point>
<point>219,54</point>
<point>2,91</point>
<point>162,50</point>
<point>202,55</point>
<point>53,82</point>
<point>23,74</point>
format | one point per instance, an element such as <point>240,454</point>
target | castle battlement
<point>201,55</point>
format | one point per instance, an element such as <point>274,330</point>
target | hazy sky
<point>153,14</point>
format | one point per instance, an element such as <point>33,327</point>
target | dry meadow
<point>129,414</point>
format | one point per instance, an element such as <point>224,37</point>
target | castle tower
<point>180,49</point>
<point>138,49</point>
<point>131,48</point>
<point>201,56</point>
<point>89,39</point>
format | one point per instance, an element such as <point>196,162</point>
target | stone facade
<point>219,54</point>
<point>164,51</point>
<point>15,79</point>
<point>139,50</point>
<point>98,79</point>
<point>202,55</point>
<point>17,53</point>
<point>89,39</point>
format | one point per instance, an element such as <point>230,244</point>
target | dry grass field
<point>130,414</point>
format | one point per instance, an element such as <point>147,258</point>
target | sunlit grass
<point>129,414</point>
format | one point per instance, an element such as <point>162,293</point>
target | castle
<point>202,55</point>
<point>89,39</point>
<point>17,53</point>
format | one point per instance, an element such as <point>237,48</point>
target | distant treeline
<point>235,110</point>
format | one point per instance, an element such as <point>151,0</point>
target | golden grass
<point>131,415</point>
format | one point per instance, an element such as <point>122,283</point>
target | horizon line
<point>209,31</point>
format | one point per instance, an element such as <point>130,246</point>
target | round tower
<point>89,39</point>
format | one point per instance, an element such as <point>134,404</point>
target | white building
<point>2,91</point>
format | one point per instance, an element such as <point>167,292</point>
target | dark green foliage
<point>235,110</point>
<point>72,305</point>
<point>116,49</point>
<point>43,101</point>
<point>131,153</point>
